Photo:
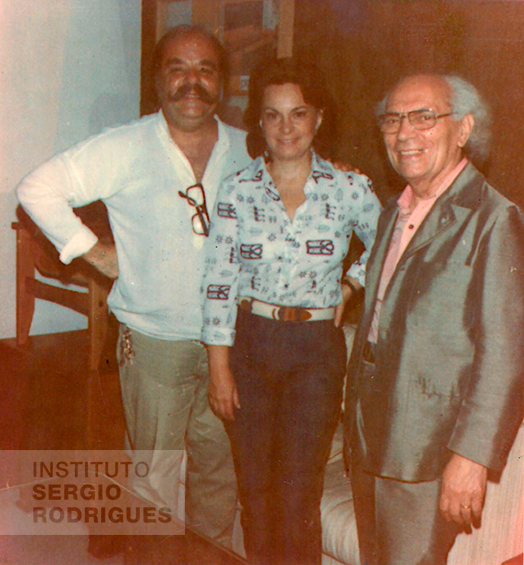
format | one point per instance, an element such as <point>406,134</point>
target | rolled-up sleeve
<point>92,170</point>
<point>48,195</point>
<point>220,286</point>
<point>367,209</point>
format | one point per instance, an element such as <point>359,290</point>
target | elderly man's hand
<point>463,489</point>
<point>345,167</point>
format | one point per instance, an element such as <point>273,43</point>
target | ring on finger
<point>465,506</point>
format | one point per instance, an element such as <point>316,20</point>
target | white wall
<point>68,68</point>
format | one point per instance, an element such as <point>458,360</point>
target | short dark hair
<point>179,31</point>
<point>312,85</point>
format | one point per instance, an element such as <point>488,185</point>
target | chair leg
<point>98,321</point>
<point>25,300</point>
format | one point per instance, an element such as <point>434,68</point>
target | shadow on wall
<point>108,109</point>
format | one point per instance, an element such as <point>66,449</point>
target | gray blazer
<point>449,372</point>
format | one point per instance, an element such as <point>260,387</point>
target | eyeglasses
<point>196,197</point>
<point>419,119</point>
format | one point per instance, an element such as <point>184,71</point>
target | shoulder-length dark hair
<point>312,85</point>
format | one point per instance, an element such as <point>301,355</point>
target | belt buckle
<point>287,314</point>
<point>293,314</point>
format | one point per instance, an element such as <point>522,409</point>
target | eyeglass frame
<point>408,115</point>
<point>201,209</point>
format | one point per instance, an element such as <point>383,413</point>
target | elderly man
<point>438,362</point>
<point>158,177</point>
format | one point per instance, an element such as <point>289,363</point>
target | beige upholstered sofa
<point>499,537</point>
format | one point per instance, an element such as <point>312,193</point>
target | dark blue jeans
<point>289,377</point>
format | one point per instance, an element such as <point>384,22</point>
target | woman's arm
<point>223,394</point>
<point>222,269</point>
<point>220,302</point>
<point>367,209</point>
<point>350,287</point>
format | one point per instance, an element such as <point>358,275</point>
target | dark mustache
<point>197,89</point>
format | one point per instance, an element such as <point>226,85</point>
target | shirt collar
<point>318,169</point>
<point>407,194</point>
<point>261,172</point>
<point>223,134</point>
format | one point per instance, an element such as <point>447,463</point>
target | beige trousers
<point>164,390</point>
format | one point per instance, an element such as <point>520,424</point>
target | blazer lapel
<point>445,212</point>
<point>453,206</point>
<point>440,218</point>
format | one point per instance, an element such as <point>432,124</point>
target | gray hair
<point>465,99</point>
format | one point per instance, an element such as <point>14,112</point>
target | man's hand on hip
<point>103,257</point>
<point>463,489</point>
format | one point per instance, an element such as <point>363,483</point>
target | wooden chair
<point>35,253</point>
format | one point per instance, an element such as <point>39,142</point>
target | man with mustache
<point>436,390</point>
<point>158,178</point>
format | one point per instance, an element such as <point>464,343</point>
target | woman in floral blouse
<point>274,298</point>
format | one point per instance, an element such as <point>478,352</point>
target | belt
<point>285,313</point>
<point>368,353</point>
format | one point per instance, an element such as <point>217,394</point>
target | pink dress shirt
<point>410,217</point>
